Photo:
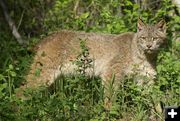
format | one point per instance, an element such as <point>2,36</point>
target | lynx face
<point>151,37</point>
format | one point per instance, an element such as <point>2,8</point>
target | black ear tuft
<point>140,24</point>
<point>161,25</point>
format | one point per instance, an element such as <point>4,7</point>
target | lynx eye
<point>154,38</point>
<point>142,37</point>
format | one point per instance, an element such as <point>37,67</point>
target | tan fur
<point>112,54</point>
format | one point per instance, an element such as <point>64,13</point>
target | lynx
<point>116,55</point>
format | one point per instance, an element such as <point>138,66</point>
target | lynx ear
<point>140,24</point>
<point>161,26</point>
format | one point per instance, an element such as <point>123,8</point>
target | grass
<point>81,98</point>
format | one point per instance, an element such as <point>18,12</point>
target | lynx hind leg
<point>111,82</point>
<point>40,77</point>
<point>40,74</point>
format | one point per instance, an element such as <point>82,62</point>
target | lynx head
<point>150,37</point>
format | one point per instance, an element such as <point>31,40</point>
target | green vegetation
<point>78,97</point>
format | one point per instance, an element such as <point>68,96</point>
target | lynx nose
<point>149,46</point>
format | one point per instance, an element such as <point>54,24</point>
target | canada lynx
<point>112,54</point>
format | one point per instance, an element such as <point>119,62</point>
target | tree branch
<point>76,7</point>
<point>11,24</point>
<point>177,4</point>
